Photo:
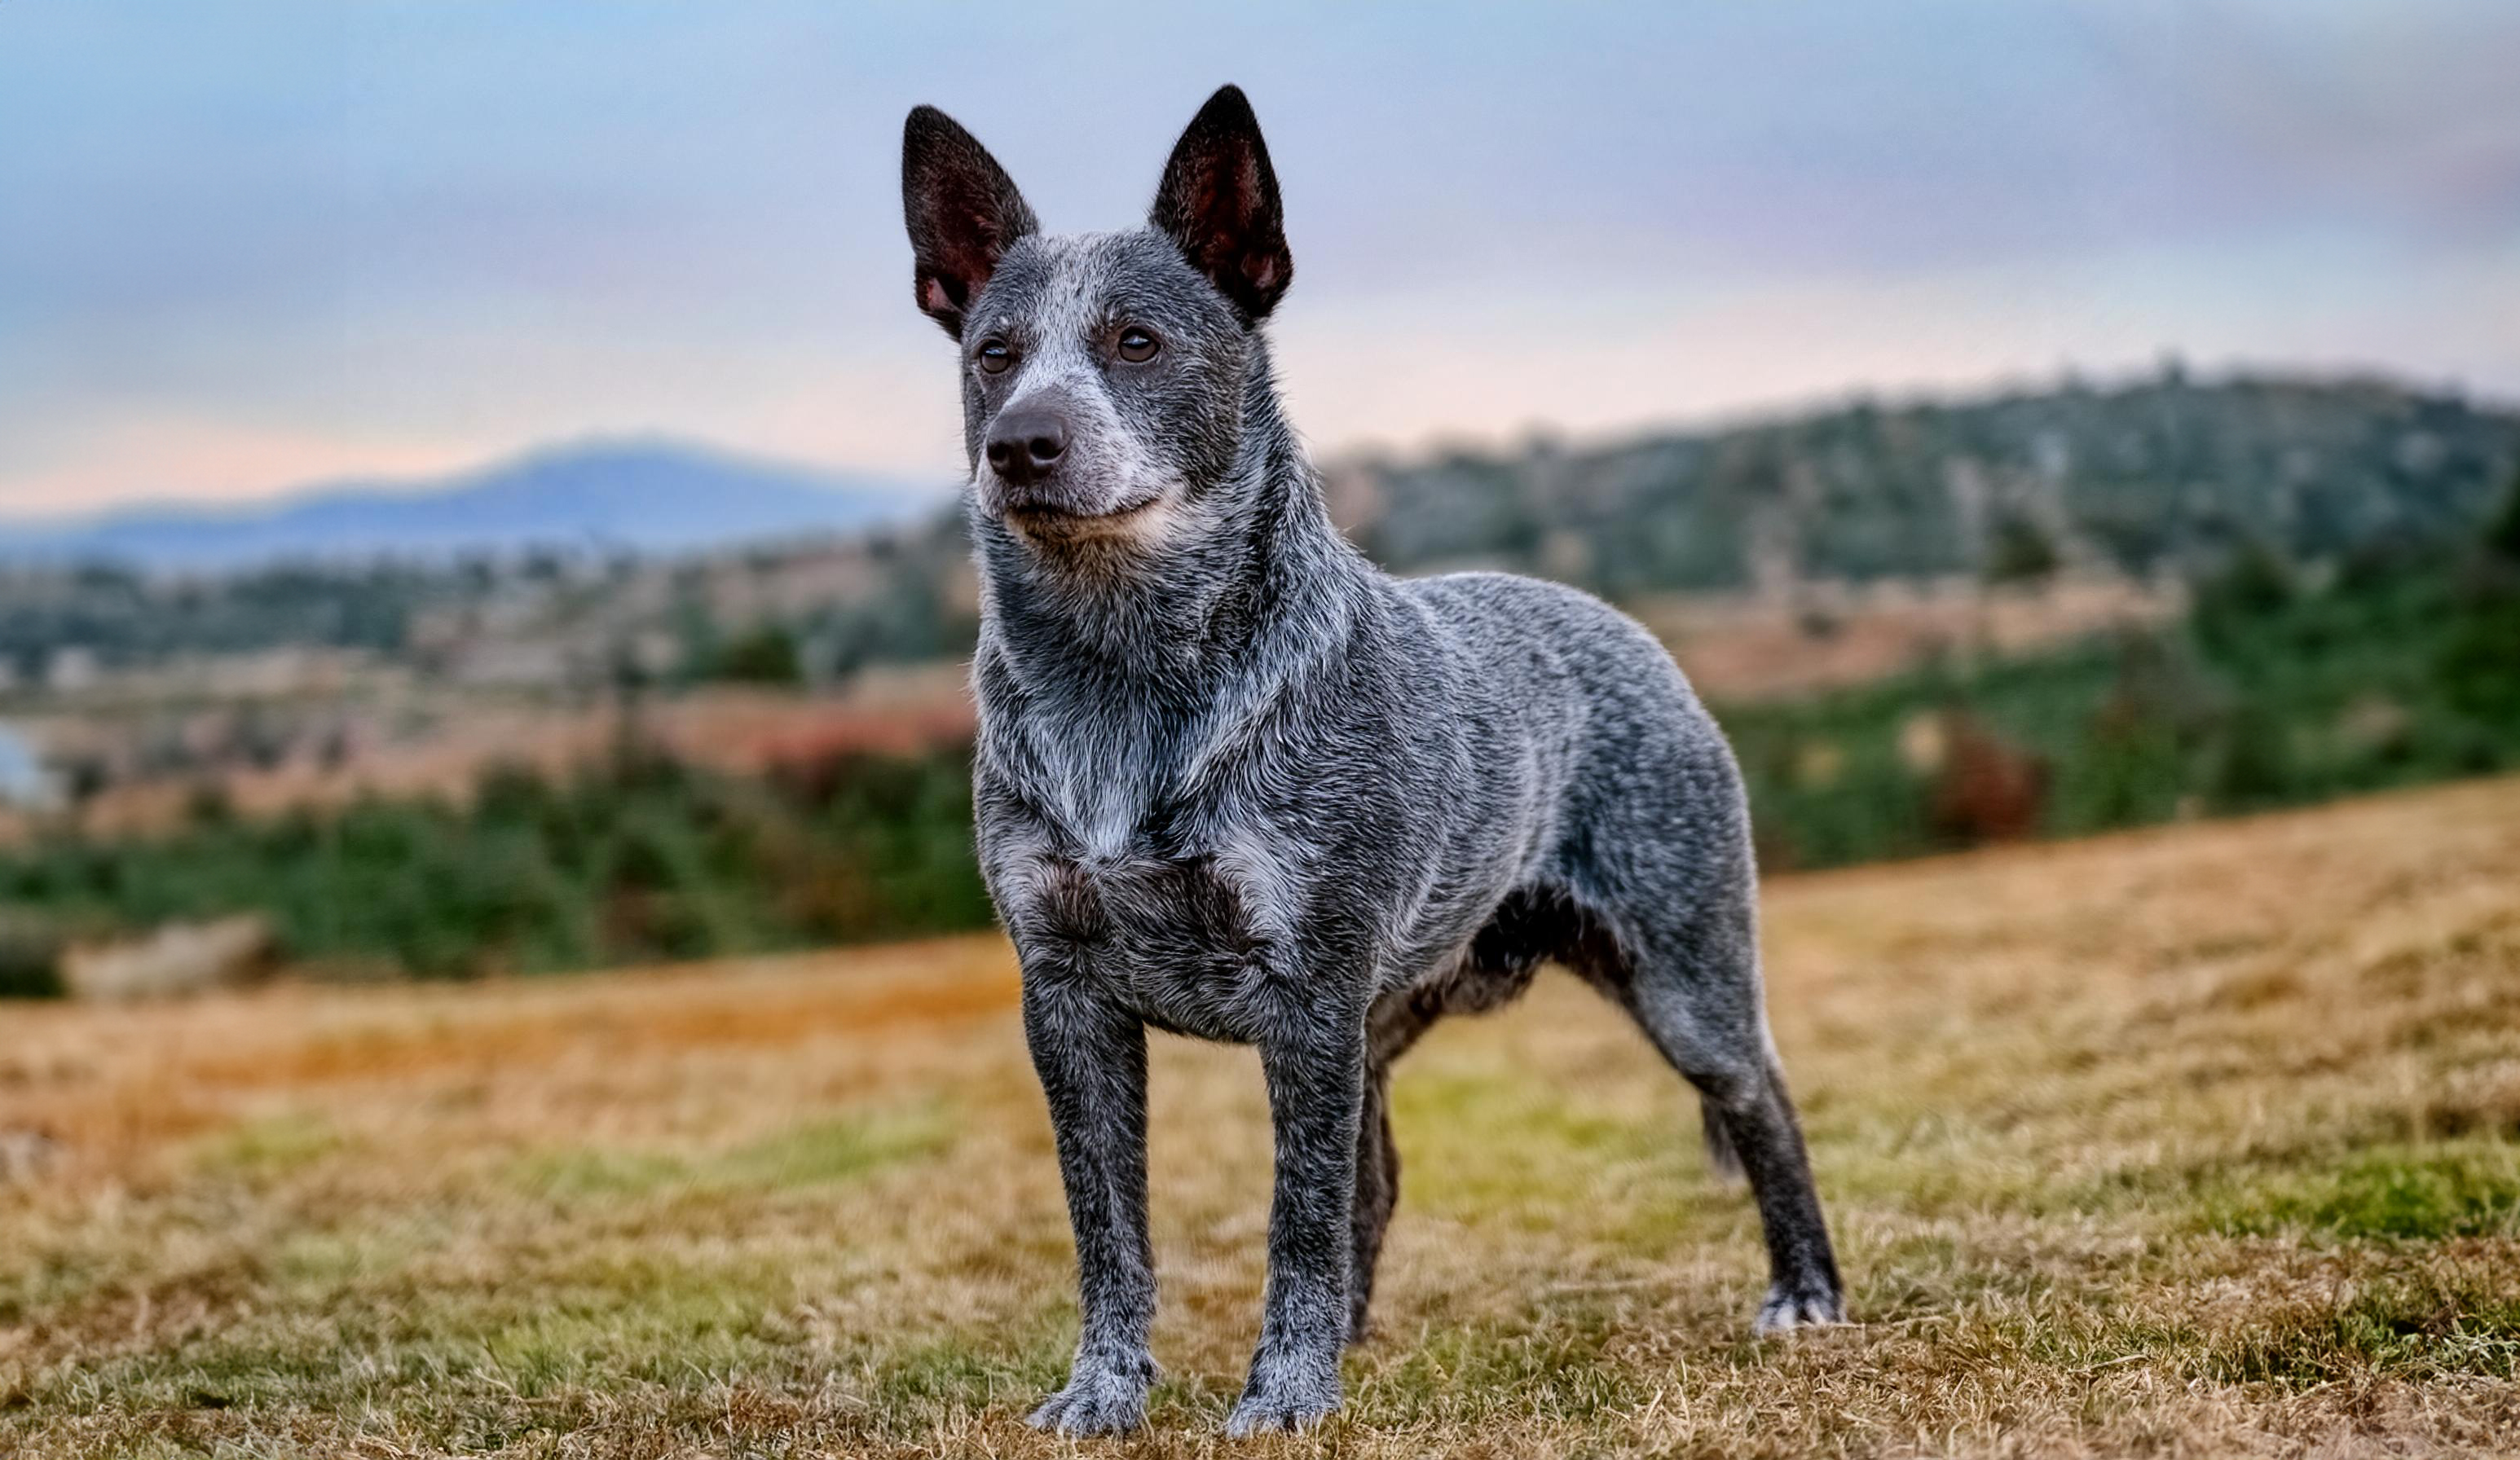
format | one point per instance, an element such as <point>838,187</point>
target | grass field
<point>2201,1141</point>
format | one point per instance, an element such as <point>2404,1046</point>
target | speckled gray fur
<point>1235,782</point>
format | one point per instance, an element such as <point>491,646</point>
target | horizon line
<point>384,483</point>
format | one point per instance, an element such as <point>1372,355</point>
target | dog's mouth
<point>1050,520</point>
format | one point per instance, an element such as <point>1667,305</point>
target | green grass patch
<point>272,1147</point>
<point>838,1148</point>
<point>580,1173</point>
<point>1552,1364</point>
<point>333,1259</point>
<point>968,1373</point>
<point>2426,1324</point>
<point>666,1329</point>
<point>2465,1188</point>
<point>362,1330</point>
<point>1509,1147</point>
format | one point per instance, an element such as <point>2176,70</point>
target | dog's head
<point>1104,374</point>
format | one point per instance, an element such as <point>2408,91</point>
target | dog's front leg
<point>1316,1096</point>
<point>1092,1060</point>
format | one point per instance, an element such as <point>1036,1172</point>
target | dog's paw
<point>1789,1309</point>
<point>1102,1397</point>
<point>1285,1394</point>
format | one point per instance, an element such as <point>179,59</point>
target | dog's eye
<point>995,357</point>
<point>1137,347</point>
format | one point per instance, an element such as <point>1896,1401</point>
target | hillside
<point>2199,1142</point>
<point>603,497</point>
<point>2161,477</point>
<point>2132,487</point>
<point>172,737</point>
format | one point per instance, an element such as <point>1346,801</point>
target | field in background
<point>1923,627</point>
<point>2197,1141</point>
<point>724,825</point>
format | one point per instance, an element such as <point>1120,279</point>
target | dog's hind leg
<point>1395,1023</point>
<point>1693,985</point>
<point>1751,1107</point>
<point>1378,1190</point>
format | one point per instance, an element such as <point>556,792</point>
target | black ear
<point>963,209</point>
<point>1218,201</point>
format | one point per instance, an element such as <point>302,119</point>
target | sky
<point>247,247</point>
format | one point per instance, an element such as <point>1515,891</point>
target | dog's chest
<point>1186,942</point>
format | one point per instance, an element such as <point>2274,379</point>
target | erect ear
<point>1219,201</point>
<point>963,211</point>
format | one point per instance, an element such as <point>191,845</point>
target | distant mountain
<point>637,496</point>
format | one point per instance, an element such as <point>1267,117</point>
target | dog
<point>1233,781</point>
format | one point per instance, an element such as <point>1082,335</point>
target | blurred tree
<point>764,654</point>
<point>2019,550</point>
<point>2480,664</point>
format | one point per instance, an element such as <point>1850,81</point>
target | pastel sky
<point>246,246</point>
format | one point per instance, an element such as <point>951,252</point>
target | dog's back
<point>1600,703</point>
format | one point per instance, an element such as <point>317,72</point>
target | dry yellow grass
<point>2196,1142</point>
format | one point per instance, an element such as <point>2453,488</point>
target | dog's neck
<point>1127,674</point>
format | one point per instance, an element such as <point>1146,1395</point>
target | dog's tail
<point>1720,1155</point>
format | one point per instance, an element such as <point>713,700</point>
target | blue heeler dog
<point>1234,783</point>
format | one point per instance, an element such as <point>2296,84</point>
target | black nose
<point>1024,445</point>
